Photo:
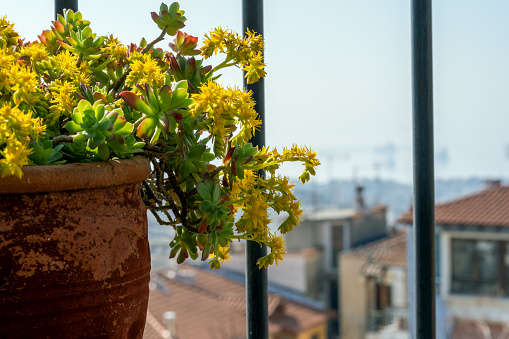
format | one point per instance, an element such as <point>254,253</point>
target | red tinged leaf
<point>229,154</point>
<point>176,116</point>
<point>146,128</point>
<point>100,96</point>
<point>155,17</point>
<point>233,167</point>
<point>165,122</point>
<point>203,226</point>
<point>43,39</point>
<point>206,69</point>
<point>135,102</point>
<point>59,27</point>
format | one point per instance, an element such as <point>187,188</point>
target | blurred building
<point>373,290</point>
<point>188,302</point>
<point>472,264</point>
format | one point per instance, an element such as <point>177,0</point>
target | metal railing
<point>424,192</point>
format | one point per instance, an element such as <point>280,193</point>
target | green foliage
<point>45,154</point>
<point>102,131</point>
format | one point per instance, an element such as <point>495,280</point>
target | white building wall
<point>491,309</point>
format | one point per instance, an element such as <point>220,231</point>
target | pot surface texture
<point>74,252</point>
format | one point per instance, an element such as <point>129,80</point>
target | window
<point>480,267</point>
<point>337,243</point>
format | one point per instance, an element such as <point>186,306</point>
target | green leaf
<point>203,191</point>
<point>207,206</point>
<point>186,168</point>
<point>208,157</point>
<point>73,127</point>
<point>196,151</point>
<point>216,193</point>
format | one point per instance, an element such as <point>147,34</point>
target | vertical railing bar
<point>257,314</point>
<point>60,5</point>
<point>424,199</point>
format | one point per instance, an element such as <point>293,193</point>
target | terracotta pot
<point>74,253</point>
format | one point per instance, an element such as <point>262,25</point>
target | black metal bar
<point>257,314</point>
<point>424,192</point>
<point>60,5</point>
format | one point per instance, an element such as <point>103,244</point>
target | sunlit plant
<point>74,96</point>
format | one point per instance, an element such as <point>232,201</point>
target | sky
<point>339,77</point>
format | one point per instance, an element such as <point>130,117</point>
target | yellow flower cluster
<point>36,52</point>
<point>115,49</point>
<point>64,100</point>
<point>144,68</point>
<point>277,246</point>
<point>16,129</point>
<point>223,253</point>
<point>226,107</point>
<point>255,195</point>
<point>8,36</point>
<point>248,51</point>
<point>270,160</point>
<point>17,80</point>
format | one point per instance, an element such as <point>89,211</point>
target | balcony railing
<point>378,319</point>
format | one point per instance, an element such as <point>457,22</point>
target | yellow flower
<point>15,155</point>
<point>8,36</point>
<point>226,107</point>
<point>36,51</point>
<point>115,49</point>
<point>24,87</point>
<point>254,68</point>
<point>144,69</point>
<point>16,129</point>
<point>64,100</point>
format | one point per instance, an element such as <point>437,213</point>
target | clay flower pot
<point>74,252</point>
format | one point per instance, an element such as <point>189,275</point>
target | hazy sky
<point>339,76</point>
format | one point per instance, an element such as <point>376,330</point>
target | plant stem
<point>155,41</point>
<point>224,64</point>
<point>62,138</point>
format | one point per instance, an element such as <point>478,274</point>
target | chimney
<point>360,206</point>
<point>170,320</point>
<point>492,184</point>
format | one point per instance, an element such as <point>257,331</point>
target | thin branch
<point>62,138</point>
<point>155,41</point>
<point>161,155</point>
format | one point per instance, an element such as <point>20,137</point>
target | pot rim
<point>77,176</point>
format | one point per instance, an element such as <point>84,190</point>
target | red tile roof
<point>390,250</point>
<point>208,305</point>
<point>474,330</point>
<point>489,207</point>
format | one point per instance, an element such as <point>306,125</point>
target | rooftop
<point>340,213</point>
<point>208,305</point>
<point>489,207</point>
<point>390,250</point>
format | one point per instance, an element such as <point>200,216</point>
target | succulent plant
<point>159,108</point>
<point>172,18</point>
<point>62,28</point>
<point>101,130</point>
<point>81,97</point>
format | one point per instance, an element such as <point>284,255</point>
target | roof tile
<point>489,207</point>
<point>205,311</point>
